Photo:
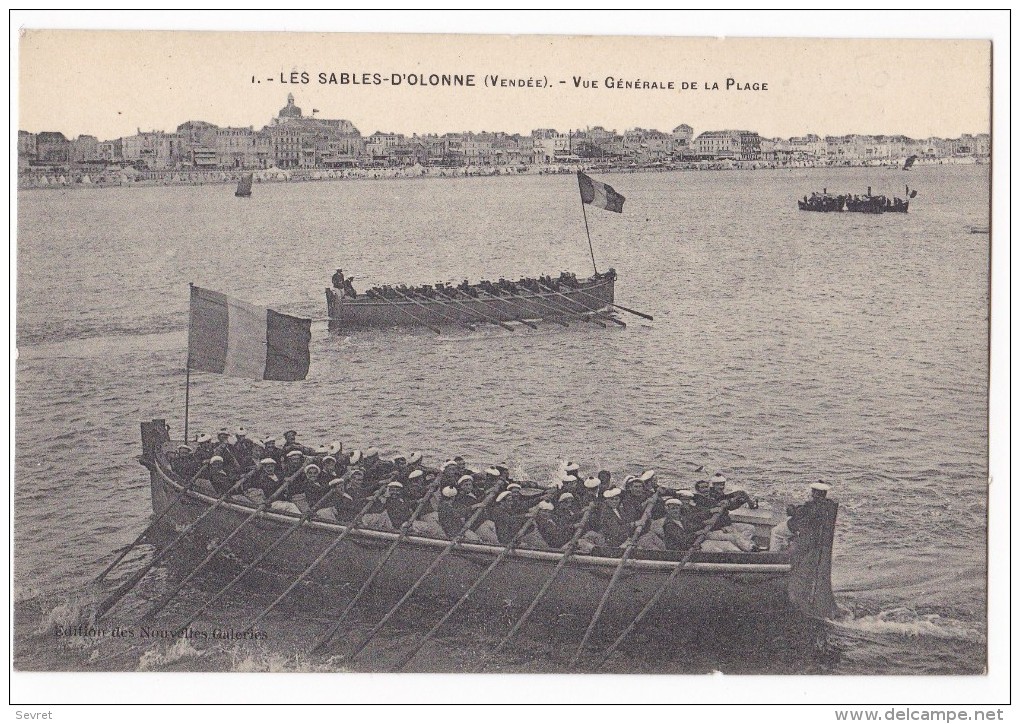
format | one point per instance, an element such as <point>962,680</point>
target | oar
<point>583,306</point>
<point>321,503</point>
<point>538,299</point>
<point>520,317</point>
<point>405,530</point>
<point>483,315</point>
<point>568,552</point>
<point>649,317</point>
<point>110,601</point>
<point>628,549</point>
<point>506,301</point>
<point>444,317</point>
<point>350,528</point>
<point>409,656</point>
<point>399,308</point>
<point>421,579</point>
<point>663,587</point>
<point>517,312</point>
<point>173,504</point>
<point>161,604</point>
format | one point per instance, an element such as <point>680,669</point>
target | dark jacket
<point>615,528</point>
<point>679,535</point>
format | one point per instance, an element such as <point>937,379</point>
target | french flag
<point>231,337</point>
<point>599,194</point>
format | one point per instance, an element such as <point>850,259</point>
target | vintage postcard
<point>346,352</point>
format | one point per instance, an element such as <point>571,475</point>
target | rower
<point>731,501</point>
<point>590,491</point>
<point>703,494</point>
<point>243,450</point>
<point>633,504</point>
<point>260,484</point>
<point>610,522</point>
<point>492,479</point>
<point>353,496</point>
<point>509,514</point>
<point>555,523</point>
<point>416,485</point>
<point>290,443</point>
<point>396,504</point>
<point>338,279</point>
<point>203,448</point>
<point>217,474</point>
<point>269,450</point>
<point>304,488</point>
<point>293,461</point>
<point>183,462</point>
<point>466,496</point>
<point>681,526</point>
<point>452,516</point>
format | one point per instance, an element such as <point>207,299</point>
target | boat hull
<point>702,587</point>
<point>345,313</point>
<point>740,584</point>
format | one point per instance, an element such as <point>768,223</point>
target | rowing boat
<point>592,297</point>
<point>762,581</point>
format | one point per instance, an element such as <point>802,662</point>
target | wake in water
<point>905,622</point>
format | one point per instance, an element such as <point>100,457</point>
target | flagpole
<point>592,250</point>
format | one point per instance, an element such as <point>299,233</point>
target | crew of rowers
<point>827,202</point>
<point>502,288</point>
<point>486,506</point>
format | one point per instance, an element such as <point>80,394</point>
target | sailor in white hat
<point>293,461</point>
<point>334,448</point>
<point>414,458</point>
<point>203,448</point>
<point>589,490</point>
<point>356,457</point>
<point>612,527</point>
<point>330,469</point>
<point>262,482</point>
<point>217,474</point>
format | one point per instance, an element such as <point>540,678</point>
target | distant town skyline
<point>118,82</point>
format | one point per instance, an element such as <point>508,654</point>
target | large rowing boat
<point>740,583</point>
<point>591,298</point>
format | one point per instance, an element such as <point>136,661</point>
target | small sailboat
<point>244,186</point>
<point>909,162</point>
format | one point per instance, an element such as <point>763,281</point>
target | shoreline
<point>131,178</point>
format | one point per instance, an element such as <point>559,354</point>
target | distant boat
<point>978,229</point>
<point>909,163</point>
<point>244,186</point>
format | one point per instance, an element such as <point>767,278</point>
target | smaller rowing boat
<point>534,299</point>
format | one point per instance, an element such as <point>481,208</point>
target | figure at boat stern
<point>813,525</point>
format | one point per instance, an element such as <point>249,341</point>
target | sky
<point>112,83</point>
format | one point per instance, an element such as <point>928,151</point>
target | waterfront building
<point>52,147</point>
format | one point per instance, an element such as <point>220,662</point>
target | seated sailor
<point>610,522</point>
<point>221,478</point>
<point>262,483</point>
<point>243,450</point>
<point>681,526</point>
<point>304,488</point>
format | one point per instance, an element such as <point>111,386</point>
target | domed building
<point>299,141</point>
<point>290,110</point>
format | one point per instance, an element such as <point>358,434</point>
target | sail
<point>909,162</point>
<point>244,185</point>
